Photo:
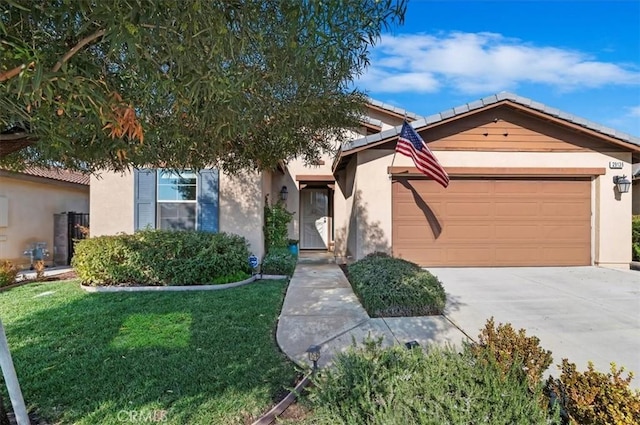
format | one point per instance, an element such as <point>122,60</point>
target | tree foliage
<point>239,83</point>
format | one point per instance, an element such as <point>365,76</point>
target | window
<point>177,199</point>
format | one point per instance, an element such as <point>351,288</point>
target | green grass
<point>186,357</point>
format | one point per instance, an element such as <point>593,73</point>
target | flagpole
<point>404,120</point>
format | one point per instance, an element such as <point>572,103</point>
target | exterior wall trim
<point>315,178</point>
<point>505,172</point>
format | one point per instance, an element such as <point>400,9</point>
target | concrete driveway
<point>579,313</point>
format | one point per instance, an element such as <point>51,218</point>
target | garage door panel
<point>498,222</point>
<point>565,188</point>
<point>415,233</point>
<point>516,209</point>
<point>574,210</point>
<point>453,255</point>
<point>516,231</point>
<point>463,231</point>
<point>515,255</point>
<point>460,209</point>
<point>561,234</point>
<point>507,187</point>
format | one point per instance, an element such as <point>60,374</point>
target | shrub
<point>508,348</point>
<point>39,267</point>
<point>593,398</point>
<point>8,273</point>
<point>160,257</point>
<point>276,223</point>
<point>279,261</point>
<point>390,287</point>
<point>635,237</point>
<point>374,385</point>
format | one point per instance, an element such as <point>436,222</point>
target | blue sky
<point>582,57</point>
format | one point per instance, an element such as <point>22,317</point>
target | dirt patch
<point>57,277</point>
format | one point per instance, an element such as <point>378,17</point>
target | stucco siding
<point>30,209</point>
<point>612,213</point>
<point>241,201</point>
<point>241,208</point>
<point>344,217</point>
<point>111,203</point>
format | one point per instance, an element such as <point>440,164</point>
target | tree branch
<point>14,136</point>
<point>15,71</point>
<point>76,48</point>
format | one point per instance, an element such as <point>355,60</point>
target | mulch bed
<point>55,278</point>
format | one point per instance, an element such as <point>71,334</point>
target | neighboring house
<point>29,200</point>
<point>530,186</point>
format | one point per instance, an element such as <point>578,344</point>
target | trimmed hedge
<point>389,287</point>
<point>161,257</point>
<point>279,261</point>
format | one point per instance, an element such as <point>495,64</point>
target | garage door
<point>493,222</point>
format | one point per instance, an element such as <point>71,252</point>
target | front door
<point>314,222</point>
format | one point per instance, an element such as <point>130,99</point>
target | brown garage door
<point>493,222</point>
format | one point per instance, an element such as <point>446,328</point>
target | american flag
<point>411,144</point>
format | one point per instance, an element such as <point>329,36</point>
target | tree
<point>242,84</point>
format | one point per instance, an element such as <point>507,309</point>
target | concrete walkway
<point>320,308</point>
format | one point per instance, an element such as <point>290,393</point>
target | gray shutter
<point>144,194</point>
<point>208,200</point>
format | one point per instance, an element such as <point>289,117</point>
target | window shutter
<point>144,214</point>
<point>208,198</point>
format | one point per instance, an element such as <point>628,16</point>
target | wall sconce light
<point>314,355</point>
<point>622,183</point>
<point>284,193</point>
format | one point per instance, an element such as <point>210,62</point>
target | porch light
<point>314,355</point>
<point>411,345</point>
<point>284,193</point>
<point>622,183</point>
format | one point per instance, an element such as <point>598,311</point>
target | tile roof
<point>57,174</point>
<point>393,109</point>
<point>368,120</point>
<point>489,100</point>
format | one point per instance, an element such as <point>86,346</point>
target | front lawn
<point>188,357</point>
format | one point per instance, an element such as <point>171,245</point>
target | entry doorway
<point>314,218</point>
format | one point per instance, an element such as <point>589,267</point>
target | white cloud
<point>634,111</point>
<point>483,62</point>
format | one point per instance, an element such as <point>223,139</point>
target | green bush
<point>507,347</point>
<point>276,223</point>
<point>594,398</point>
<point>8,273</point>
<point>374,385</point>
<point>160,257</point>
<point>279,261</point>
<point>635,237</point>
<point>390,287</point>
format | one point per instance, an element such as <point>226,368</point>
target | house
<point>530,186</point>
<point>29,203</point>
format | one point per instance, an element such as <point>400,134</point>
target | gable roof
<point>500,98</point>
<point>57,174</point>
<point>393,110</point>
